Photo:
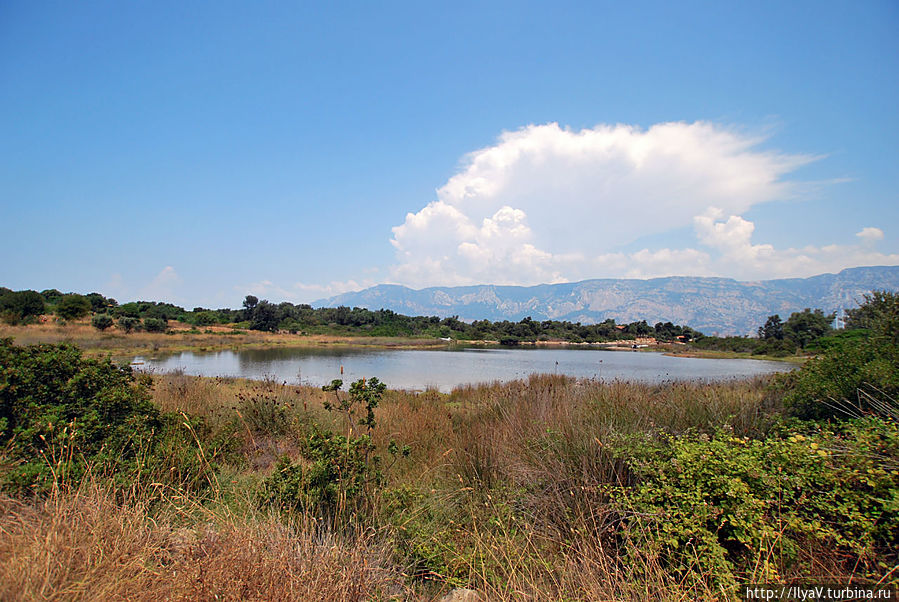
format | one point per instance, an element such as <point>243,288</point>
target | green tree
<point>879,313</point>
<point>249,302</point>
<point>249,306</point>
<point>21,306</point>
<point>98,302</point>
<point>265,317</point>
<point>856,374</point>
<point>72,307</point>
<point>773,329</point>
<point>806,326</point>
<point>51,296</point>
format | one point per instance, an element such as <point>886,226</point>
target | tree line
<point>24,307</point>
<point>801,331</point>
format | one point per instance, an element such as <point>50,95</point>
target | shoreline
<point>119,345</point>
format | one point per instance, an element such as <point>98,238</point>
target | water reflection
<point>445,369</point>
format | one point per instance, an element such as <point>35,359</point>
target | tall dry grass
<point>511,485</point>
<point>525,471</point>
<point>89,544</point>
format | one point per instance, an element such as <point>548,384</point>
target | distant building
<point>839,322</point>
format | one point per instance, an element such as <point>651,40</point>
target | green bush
<point>204,318</point>
<point>840,383</point>
<point>712,507</point>
<point>155,325</point>
<point>338,474</point>
<point>62,415</point>
<point>102,321</point>
<point>879,314</point>
<point>72,307</point>
<point>775,347</point>
<point>129,324</point>
<point>21,306</point>
<point>856,370</point>
<point>59,412</point>
<point>332,479</point>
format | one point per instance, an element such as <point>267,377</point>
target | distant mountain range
<point>712,305</point>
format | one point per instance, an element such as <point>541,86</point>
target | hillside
<point>712,305</point>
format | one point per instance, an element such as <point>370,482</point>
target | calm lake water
<point>445,369</point>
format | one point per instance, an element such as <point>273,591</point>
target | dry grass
<point>85,545</point>
<point>180,338</point>
<point>546,440</point>
<point>512,481</point>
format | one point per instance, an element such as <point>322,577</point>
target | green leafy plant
<point>711,507</point>
<point>21,306</point>
<point>839,382</point>
<point>59,411</point>
<point>338,474</point>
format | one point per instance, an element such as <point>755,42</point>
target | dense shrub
<point>102,321</point>
<point>338,474</point>
<point>155,325</point>
<point>51,296</point>
<point>62,415</point>
<point>775,347</point>
<point>128,323</point>
<point>736,344</point>
<point>21,306</point>
<point>332,479</point>
<point>854,370</point>
<point>59,410</point>
<point>204,318</point>
<point>72,307</point>
<point>879,314</point>
<point>710,507</point>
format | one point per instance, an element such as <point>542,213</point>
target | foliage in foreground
<point>338,475</point>
<point>545,488</point>
<point>712,507</point>
<point>62,414</point>
<point>854,374</point>
<point>58,409</point>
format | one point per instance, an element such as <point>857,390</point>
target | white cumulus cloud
<point>870,235</point>
<point>739,257</point>
<point>547,204</point>
<point>550,204</point>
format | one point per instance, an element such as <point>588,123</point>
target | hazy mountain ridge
<point>721,305</point>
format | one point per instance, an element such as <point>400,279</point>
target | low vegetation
<point>135,326</point>
<point>25,307</point>
<point>171,486</point>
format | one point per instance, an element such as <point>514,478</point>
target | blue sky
<point>197,152</point>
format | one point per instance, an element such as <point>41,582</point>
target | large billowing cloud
<point>548,204</point>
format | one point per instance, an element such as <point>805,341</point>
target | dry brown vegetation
<point>89,544</point>
<point>507,490</point>
<point>182,337</point>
